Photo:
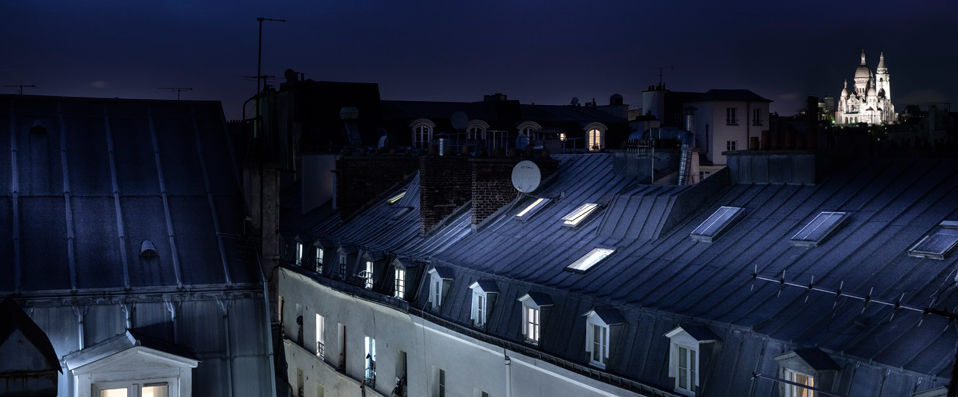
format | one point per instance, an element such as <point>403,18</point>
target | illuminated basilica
<point>870,99</point>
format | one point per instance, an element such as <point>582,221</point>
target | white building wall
<point>470,365</point>
<point>712,133</point>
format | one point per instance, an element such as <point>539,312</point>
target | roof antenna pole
<point>178,90</point>
<point>20,87</point>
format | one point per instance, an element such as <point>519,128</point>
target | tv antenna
<point>20,87</point>
<point>178,90</point>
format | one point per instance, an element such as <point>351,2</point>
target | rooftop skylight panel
<point>818,229</point>
<point>720,220</point>
<point>532,209</point>
<point>938,244</point>
<point>580,214</point>
<point>392,200</point>
<point>588,260</point>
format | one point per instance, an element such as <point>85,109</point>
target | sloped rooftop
<point>84,181</point>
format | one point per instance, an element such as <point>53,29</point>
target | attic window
<point>368,275</point>
<point>147,250</point>
<point>588,260</point>
<point>580,214</point>
<point>319,260</point>
<point>720,220</point>
<point>938,244</point>
<point>818,229</point>
<point>394,199</point>
<point>532,209</point>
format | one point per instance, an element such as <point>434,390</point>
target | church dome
<point>871,90</point>
<point>862,72</point>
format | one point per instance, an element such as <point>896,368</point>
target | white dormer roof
<point>536,299</point>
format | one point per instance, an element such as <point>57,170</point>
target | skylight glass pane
<point>936,245</point>
<point>394,199</point>
<point>588,260</point>
<point>818,229</point>
<point>580,214</point>
<point>716,223</point>
<point>532,208</point>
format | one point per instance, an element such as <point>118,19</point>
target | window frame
<point>691,370</point>
<point>595,141</point>
<point>730,118</point>
<point>343,259</point>
<point>580,215</point>
<point>738,213</point>
<point>598,335</point>
<point>320,336</point>
<point>948,228</point>
<point>368,274</point>
<point>756,117</point>
<point>399,283</point>
<point>792,390</point>
<point>590,259</point>
<point>531,324</point>
<point>533,208</point>
<point>299,253</point>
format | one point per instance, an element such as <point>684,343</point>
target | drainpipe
<point>225,307</point>
<point>508,362</point>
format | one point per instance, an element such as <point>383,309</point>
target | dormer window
<point>588,260</point>
<point>806,371</point>
<point>938,243</point>
<point>598,333</point>
<point>483,293</point>
<point>368,275</point>
<point>687,345</point>
<point>818,229</point>
<point>532,208</point>
<point>422,132</point>
<point>342,266</point>
<point>580,214</point>
<point>532,305</point>
<point>595,136</point>
<point>399,289</point>
<point>716,223</point>
<point>477,129</point>
<point>439,281</point>
<point>299,253</point>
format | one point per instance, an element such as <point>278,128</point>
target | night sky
<point>536,51</point>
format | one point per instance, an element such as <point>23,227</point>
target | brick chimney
<point>445,184</point>
<point>361,178</point>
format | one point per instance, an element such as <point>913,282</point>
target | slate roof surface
<point>79,197</point>
<point>659,278</point>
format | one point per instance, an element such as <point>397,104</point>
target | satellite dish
<point>526,176</point>
<point>459,120</point>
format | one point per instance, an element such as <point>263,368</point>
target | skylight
<point>818,229</point>
<point>532,209</point>
<point>937,244</point>
<point>576,217</point>
<point>588,260</point>
<point>716,223</point>
<point>394,199</point>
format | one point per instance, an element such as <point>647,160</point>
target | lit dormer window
<point>399,290</point>
<point>716,223</point>
<point>938,243</point>
<point>483,293</point>
<point>598,333</point>
<point>806,371</point>
<point>533,304</point>
<point>580,214</point>
<point>595,136</point>
<point>687,344</point>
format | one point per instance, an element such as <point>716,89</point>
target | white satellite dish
<point>526,176</point>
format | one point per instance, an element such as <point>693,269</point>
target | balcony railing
<point>321,350</point>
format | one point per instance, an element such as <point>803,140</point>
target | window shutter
<point>588,337</point>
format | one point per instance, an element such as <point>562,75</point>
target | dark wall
<point>360,179</point>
